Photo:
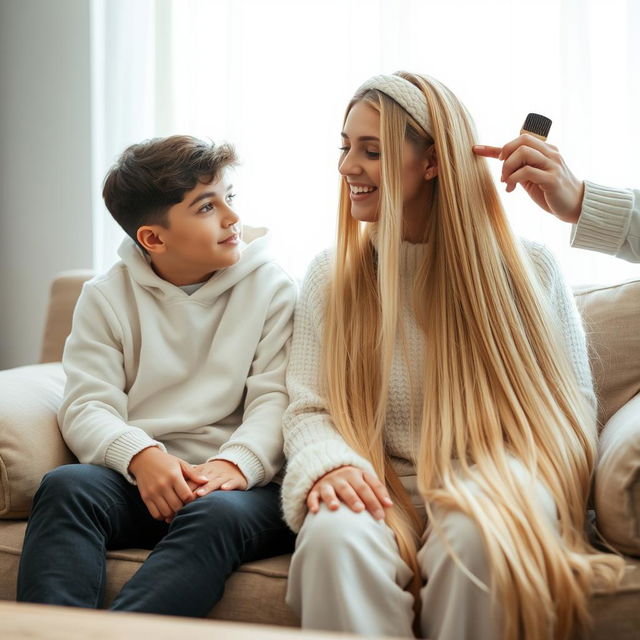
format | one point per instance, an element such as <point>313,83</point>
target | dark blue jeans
<point>80,511</point>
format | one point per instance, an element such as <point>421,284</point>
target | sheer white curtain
<point>274,77</point>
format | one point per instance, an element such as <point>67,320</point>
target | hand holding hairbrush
<point>530,161</point>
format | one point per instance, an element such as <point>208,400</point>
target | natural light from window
<point>274,77</point>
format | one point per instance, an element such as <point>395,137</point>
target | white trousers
<point>347,575</point>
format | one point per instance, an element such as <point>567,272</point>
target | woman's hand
<point>543,173</point>
<point>357,489</point>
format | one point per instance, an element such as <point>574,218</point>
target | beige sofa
<point>30,445</point>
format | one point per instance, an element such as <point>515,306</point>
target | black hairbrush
<point>536,125</point>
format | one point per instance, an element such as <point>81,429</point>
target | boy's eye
<point>230,197</point>
<point>205,208</point>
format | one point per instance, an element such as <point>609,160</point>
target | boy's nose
<point>231,217</point>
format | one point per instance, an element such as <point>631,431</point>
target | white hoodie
<point>202,376</point>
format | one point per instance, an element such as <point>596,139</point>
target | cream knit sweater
<point>609,222</point>
<point>312,445</point>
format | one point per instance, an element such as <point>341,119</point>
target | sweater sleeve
<point>569,321</point>
<point>609,222</point>
<point>93,414</point>
<point>256,446</point>
<point>313,447</point>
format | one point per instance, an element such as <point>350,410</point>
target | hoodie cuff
<point>308,466</point>
<point>247,461</point>
<point>604,221</point>
<point>121,450</point>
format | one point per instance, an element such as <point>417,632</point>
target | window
<point>274,77</point>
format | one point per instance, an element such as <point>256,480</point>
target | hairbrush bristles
<point>536,125</point>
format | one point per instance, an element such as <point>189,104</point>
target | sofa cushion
<point>611,316</point>
<point>30,441</point>
<point>617,480</point>
<point>254,593</point>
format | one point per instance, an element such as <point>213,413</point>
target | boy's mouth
<point>232,239</point>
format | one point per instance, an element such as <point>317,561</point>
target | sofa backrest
<point>65,290</point>
<point>611,315</point>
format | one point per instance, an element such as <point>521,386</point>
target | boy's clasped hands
<point>166,482</point>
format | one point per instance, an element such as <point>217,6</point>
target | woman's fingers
<point>358,490</point>
<point>379,489</point>
<point>328,496</point>
<point>349,496</point>
<point>371,502</point>
<point>313,501</point>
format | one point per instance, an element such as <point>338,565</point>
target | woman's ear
<point>431,163</point>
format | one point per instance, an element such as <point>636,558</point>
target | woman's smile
<point>360,192</point>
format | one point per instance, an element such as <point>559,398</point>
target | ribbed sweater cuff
<point>308,466</point>
<point>121,450</point>
<point>247,461</point>
<point>604,220</point>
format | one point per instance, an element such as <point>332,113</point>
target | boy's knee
<point>69,480</point>
<point>218,511</point>
<point>64,479</point>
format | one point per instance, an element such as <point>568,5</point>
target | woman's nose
<point>348,167</point>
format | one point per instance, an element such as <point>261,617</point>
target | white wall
<point>45,161</point>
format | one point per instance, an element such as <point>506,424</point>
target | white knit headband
<point>406,94</point>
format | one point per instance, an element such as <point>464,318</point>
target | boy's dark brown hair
<point>150,177</point>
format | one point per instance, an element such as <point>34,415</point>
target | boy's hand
<point>357,489</point>
<point>162,481</point>
<point>220,474</point>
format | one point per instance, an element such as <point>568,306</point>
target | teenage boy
<point>174,396</point>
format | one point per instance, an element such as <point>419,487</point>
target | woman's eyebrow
<point>362,138</point>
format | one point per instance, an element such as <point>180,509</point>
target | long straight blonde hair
<point>498,384</point>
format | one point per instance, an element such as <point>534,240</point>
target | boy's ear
<point>150,237</point>
<point>431,163</point>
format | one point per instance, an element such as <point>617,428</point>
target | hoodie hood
<point>254,252</point>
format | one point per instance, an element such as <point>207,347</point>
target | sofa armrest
<point>617,479</point>
<point>30,441</point>
<point>65,290</point>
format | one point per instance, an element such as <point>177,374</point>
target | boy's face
<point>202,236</point>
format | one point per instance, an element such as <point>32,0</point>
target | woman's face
<point>360,165</point>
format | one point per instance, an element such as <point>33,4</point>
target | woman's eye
<point>231,197</point>
<point>205,208</point>
<point>374,155</point>
<point>344,149</point>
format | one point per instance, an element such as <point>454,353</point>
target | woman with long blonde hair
<point>441,435</point>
